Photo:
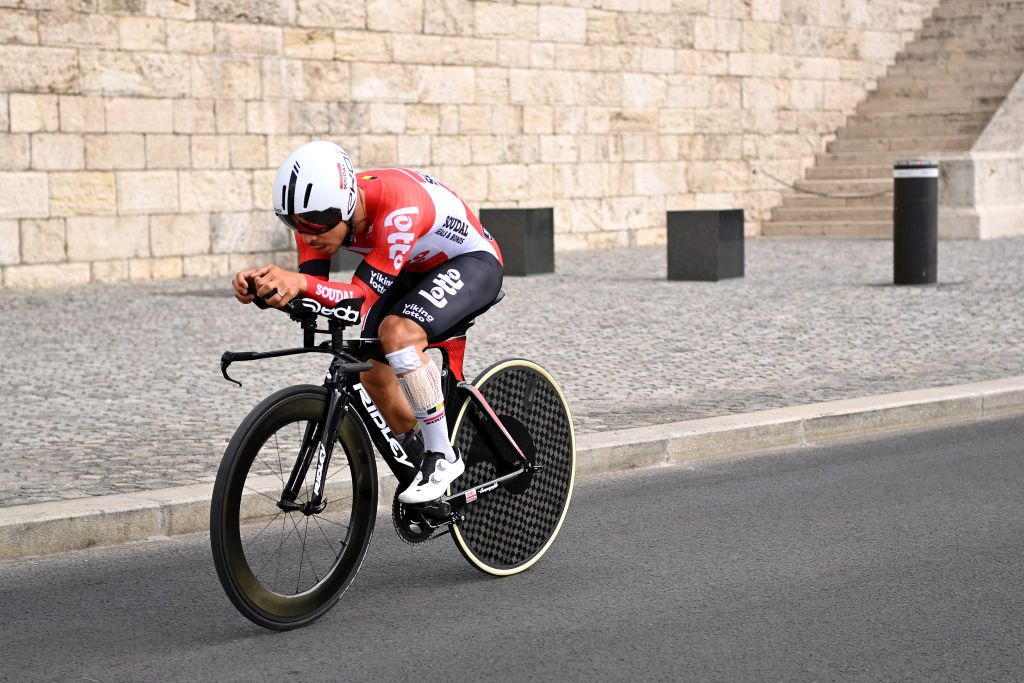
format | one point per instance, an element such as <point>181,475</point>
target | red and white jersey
<point>416,224</point>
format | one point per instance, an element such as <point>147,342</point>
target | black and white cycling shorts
<point>441,298</point>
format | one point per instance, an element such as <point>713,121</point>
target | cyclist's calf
<point>383,387</point>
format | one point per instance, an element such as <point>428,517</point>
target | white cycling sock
<point>422,389</point>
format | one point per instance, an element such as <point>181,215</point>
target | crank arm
<point>460,500</point>
<point>445,510</point>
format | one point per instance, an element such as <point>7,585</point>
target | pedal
<point>435,510</point>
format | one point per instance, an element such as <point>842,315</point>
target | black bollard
<point>526,238</point>
<point>345,260</point>
<point>705,245</point>
<point>915,235</point>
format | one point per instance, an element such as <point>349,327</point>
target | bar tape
<point>916,173</point>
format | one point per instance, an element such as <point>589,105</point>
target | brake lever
<point>227,359</point>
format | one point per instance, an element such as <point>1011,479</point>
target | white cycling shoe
<point>433,478</point>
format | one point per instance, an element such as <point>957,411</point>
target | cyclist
<point>427,265</point>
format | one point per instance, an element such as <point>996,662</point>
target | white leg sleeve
<point>404,360</point>
<point>422,389</point>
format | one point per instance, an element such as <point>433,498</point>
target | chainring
<point>410,526</point>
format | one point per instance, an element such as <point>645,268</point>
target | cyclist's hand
<point>240,284</point>
<point>277,285</point>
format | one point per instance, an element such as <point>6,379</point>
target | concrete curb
<point>81,523</point>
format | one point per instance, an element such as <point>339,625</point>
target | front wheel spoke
<point>280,467</point>
<point>316,574</point>
<point>277,449</point>
<point>336,473</point>
<point>280,546</point>
<point>302,554</point>
<point>331,521</point>
<point>277,569</point>
<point>332,501</point>
<point>329,545</point>
<point>270,468</point>
<point>265,495</point>
<point>279,513</point>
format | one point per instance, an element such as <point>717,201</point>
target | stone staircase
<point>934,101</point>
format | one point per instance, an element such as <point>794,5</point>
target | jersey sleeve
<point>315,265</point>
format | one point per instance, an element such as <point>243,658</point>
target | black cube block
<point>345,260</point>
<point>705,245</point>
<point>526,238</point>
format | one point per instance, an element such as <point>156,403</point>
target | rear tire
<point>283,569</point>
<point>509,530</point>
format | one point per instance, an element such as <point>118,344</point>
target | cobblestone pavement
<point>117,388</point>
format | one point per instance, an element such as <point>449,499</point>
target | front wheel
<point>508,531</point>
<point>285,568</point>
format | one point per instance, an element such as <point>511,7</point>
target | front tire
<point>284,569</point>
<point>509,530</point>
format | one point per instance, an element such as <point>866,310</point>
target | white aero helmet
<point>315,188</point>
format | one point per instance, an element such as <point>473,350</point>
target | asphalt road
<point>895,559</point>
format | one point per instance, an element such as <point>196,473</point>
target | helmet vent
<point>305,199</point>
<point>291,189</point>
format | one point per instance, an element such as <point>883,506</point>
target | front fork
<point>319,438</point>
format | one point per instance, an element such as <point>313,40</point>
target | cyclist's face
<point>330,241</point>
<point>327,242</point>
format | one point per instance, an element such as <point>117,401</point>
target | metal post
<point>705,245</point>
<point>915,235</point>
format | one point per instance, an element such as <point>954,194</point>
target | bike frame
<point>346,395</point>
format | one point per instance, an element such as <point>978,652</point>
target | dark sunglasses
<point>312,222</point>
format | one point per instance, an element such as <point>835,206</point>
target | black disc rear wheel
<point>508,531</point>
<point>285,568</point>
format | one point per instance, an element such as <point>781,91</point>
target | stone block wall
<point>138,138</point>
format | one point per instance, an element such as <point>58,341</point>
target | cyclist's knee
<point>399,333</point>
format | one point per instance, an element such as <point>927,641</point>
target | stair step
<point>831,214</point>
<point>995,92</point>
<point>797,201</point>
<point>951,129</point>
<point>953,11</point>
<point>916,79</point>
<point>934,88</point>
<point>865,229</point>
<point>941,66</point>
<point>849,172</point>
<point>888,158</point>
<point>904,144</point>
<point>998,23</point>
<point>979,33</point>
<point>847,187</point>
<point>892,105</point>
<point>923,118</point>
<point>960,47</point>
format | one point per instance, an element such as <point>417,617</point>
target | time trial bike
<point>296,495</point>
